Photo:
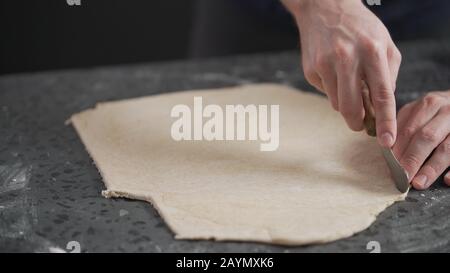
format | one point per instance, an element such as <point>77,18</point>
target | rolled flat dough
<point>323,183</point>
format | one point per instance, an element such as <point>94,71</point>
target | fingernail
<point>387,139</point>
<point>421,181</point>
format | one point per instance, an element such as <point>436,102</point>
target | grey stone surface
<point>50,189</point>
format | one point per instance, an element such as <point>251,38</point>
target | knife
<point>398,173</point>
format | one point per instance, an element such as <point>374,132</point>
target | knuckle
<point>446,110</point>
<point>394,53</point>
<point>371,46</point>
<point>383,95</point>
<point>410,162</point>
<point>429,135</point>
<point>431,100</point>
<point>430,170</point>
<point>445,148</point>
<point>321,62</point>
<point>343,53</point>
<point>407,132</point>
<point>309,73</point>
<point>386,123</point>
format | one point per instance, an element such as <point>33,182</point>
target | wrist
<point>299,8</point>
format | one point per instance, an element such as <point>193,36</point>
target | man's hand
<point>423,143</point>
<point>343,43</point>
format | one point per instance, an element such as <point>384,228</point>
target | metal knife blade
<point>398,173</point>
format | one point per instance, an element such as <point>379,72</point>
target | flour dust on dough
<point>323,183</point>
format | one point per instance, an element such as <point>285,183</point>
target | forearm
<point>295,7</point>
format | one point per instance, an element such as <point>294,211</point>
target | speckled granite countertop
<point>50,190</point>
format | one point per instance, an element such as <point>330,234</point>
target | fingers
<point>434,167</point>
<point>377,73</point>
<point>420,113</point>
<point>394,60</point>
<point>447,178</point>
<point>404,115</point>
<point>314,79</point>
<point>329,84</point>
<point>422,145</point>
<point>311,74</point>
<point>402,121</point>
<point>337,74</point>
<point>320,73</point>
<point>349,96</point>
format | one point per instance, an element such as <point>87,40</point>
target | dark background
<point>50,34</point>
